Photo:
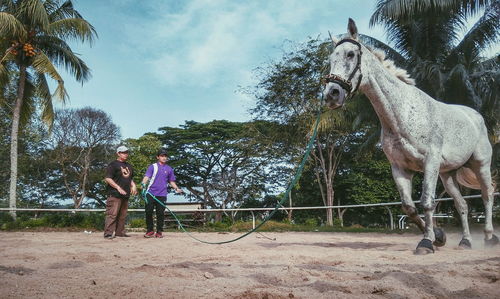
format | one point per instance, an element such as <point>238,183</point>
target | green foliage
<point>137,223</point>
<point>218,226</point>
<point>142,153</point>
<point>311,222</point>
<point>222,163</point>
<point>54,220</point>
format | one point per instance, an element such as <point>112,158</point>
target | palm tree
<point>446,65</point>
<point>33,42</point>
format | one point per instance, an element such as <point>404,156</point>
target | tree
<point>143,153</point>
<point>82,139</point>
<point>222,163</point>
<point>447,67</point>
<point>33,42</point>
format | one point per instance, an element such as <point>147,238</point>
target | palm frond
<point>73,28</point>
<point>48,113</point>
<point>428,74</point>
<point>42,64</point>
<point>332,120</point>
<point>11,27</point>
<point>394,55</point>
<point>7,5</point>
<point>459,90</point>
<point>60,93</point>
<point>43,92</point>
<point>33,14</point>
<point>29,105</point>
<point>406,10</point>
<point>58,12</point>
<point>483,34</point>
<point>61,54</point>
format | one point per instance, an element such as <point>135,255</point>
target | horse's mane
<point>400,73</point>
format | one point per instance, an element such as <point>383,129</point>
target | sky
<point>161,63</point>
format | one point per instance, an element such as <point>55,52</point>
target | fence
<point>252,210</point>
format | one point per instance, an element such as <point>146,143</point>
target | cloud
<point>209,40</point>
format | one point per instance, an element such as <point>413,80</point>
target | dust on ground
<point>268,265</point>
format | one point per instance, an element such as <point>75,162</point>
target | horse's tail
<point>467,178</point>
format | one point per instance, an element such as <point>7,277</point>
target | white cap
<point>121,149</point>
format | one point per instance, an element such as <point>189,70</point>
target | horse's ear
<point>334,40</point>
<point>352,29</point>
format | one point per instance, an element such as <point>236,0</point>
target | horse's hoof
<point>424,247</point>
<point>464,244</point>
<point>491,242</point>
<point>440,237</point>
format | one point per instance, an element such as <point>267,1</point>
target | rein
<point>347,84</point>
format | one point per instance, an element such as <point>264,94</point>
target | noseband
<point>346,84</point>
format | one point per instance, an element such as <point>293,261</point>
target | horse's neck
<point>390,97</point>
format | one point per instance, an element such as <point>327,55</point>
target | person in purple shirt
<point>156,180</point>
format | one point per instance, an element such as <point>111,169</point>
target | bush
<point>94,220</point>
<point>311,222</point>
<point>30,223</point>
<point>218,226</point>
<point>57,219</point>
<point>138,223</point>
<point>5,218</point>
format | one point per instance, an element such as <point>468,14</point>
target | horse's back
<point>464,135</point>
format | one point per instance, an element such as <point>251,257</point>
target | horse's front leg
<point>403,178</point>
<point>431,173</point>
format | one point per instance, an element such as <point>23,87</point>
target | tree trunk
<point>329,202</point>
<point>290,211</point>
<point>391,220</point>
<point>14,141</point>
<point>341,216</point>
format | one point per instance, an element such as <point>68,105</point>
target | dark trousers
<point>160,210</point>
<point>116,214</point>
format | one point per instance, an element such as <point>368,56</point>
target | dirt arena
<point>294,265</point>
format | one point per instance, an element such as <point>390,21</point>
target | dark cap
<point>162,151</point>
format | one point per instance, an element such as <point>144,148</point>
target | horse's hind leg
<point>480,164</point>
<point>451,185</point>
<point>484,176</point>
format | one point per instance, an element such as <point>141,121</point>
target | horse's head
<point>345,69</point>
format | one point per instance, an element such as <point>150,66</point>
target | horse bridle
<point>346,84</point>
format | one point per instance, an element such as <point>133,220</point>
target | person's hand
<point>121,191</point>
<point>134,190</point>
<point>143,186</point>
<point>179,191</point>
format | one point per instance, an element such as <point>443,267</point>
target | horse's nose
<point>333,94</point>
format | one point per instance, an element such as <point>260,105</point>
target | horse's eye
<point>350,54</point>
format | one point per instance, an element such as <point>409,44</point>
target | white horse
<point>419,134</point>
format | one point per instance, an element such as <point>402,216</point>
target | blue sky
<point>159,63</point>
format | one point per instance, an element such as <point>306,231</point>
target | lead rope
<point>285,197</point>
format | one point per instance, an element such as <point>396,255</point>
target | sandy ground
<point>294,265</point>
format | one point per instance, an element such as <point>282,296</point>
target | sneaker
<point>109,237</point>
<point>158,235</point>
<point>149,235</point>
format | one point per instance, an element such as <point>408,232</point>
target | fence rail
<point>173,209</point>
